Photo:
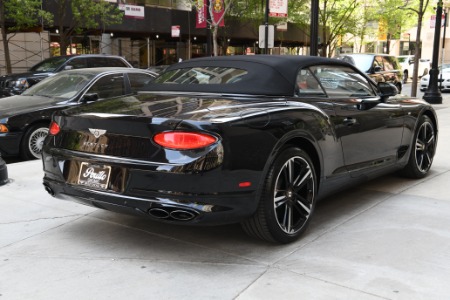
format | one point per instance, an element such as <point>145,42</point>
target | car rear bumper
<point>210,198</point>
<point>183,209</point>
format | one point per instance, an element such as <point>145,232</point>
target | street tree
<point>366,25</point>
<point>253,12</point>
<point>19,15</point>
<point>337,18</point>
<point>419,8</point>
<point>213,23</point>
<point>74,16</point>
<point>392,20</point>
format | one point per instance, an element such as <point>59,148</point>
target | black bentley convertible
<point>250,139</point>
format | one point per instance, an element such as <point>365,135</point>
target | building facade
<point>155,32</point>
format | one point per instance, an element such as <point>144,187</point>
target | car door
<point>369,129</point>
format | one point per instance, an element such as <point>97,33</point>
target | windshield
<point>49,65</point>
<point>63,86</point>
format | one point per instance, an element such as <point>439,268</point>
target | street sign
<point>271,34</point>
<point>278,8</point>
<point>176,31</point>
<point>433,21</point>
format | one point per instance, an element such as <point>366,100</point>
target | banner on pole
<point>201,14</point>
<point>218,11</point>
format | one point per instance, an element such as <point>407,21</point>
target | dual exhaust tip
<point>172,213</point>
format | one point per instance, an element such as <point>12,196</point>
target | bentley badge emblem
<point>97,132</point>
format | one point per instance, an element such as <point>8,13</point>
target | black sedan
<point>24,119</point>
<point>250,139</point>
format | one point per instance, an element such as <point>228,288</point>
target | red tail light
<point>54,128</point>
<point>184,140</point>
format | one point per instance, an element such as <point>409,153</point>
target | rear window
<point>202,75</point>
<point>362,62</point>
<point>96,62</point>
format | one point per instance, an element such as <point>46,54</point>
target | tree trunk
<point>418,50</point>
<point>214,33</point>
<point>62,41</point>
<point>5,38</point>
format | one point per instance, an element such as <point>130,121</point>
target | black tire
<point>32,141</point>
<point>405,77</point>
<point>287,201</point>
<point>423,148</point>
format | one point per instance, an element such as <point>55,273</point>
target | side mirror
<point>387,89</point>
<point>68,67</point>
<point>89,98</point>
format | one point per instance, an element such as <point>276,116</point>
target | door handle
<point>349,121</point>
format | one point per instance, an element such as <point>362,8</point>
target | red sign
<point>201,14</point>
<point>176,31</point>
<point>433,21</point>
<point>218,12</point>
<point>278,8</point>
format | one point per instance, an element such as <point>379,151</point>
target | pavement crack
<point>38,219</point>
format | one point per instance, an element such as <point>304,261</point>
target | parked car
<point>3,172</point>
<point>251,139</point>
<point>380,67</point>
<point>24,119</point>
<point>15,84</point>
<point>443,79</point>
<point>407,64</point>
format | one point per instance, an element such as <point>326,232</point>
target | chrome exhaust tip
<point>182,215</point>
<point>159,213</point>
<point>172,213</point>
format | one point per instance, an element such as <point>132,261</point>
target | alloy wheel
<point>425,147</point>
<point>293,195</point>
<point>36,141</point>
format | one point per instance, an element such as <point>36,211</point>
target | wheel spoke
<point>291,171</point>
<point>300,182</point>
<point>420,146</point>
<point>287,219</point>
<point>306,208</point>
<point>280,201</point>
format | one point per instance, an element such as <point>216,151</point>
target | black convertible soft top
<point>272,75</point>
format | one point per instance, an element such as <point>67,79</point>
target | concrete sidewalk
<point>387,239</point>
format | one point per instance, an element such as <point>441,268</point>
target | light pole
<point>266,28</point>
<point>433,94</point>
<point>314,29</point>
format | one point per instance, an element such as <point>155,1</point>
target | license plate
<point>94,176</point>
